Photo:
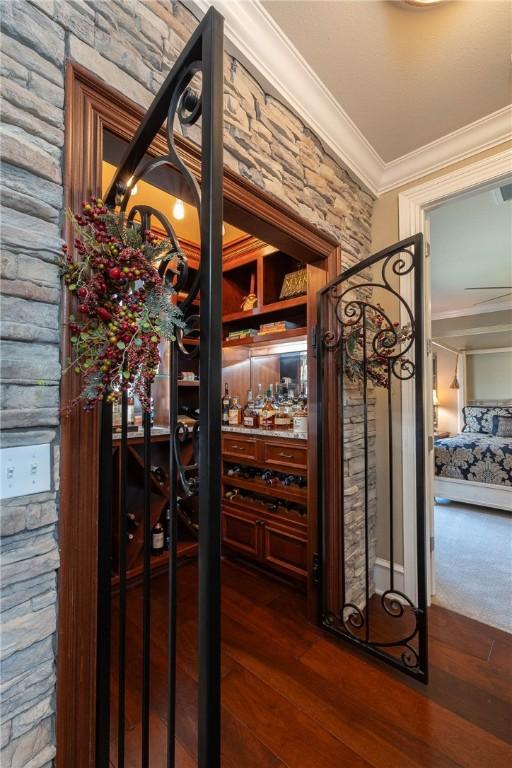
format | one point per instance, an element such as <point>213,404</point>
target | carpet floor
<point>473,562</point>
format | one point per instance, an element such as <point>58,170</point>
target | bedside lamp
<point>435,401</point>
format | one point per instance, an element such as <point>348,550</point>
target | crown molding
<point>483,134</point>
<point>266,51</point>
<point>468,311</point>
<point>255,39</point>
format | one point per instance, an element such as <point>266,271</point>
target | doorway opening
<point>471,331</point>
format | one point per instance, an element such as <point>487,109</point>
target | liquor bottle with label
<point>157,539</point>
<point>235,412</point>
<point>225,406</point>
<point>300,419</point>
<point>282,419</point>
<point>250,416</point>
<point>268,411</point>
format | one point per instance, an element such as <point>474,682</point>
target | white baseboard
<point>381,575</point>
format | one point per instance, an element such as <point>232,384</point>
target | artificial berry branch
<point>383,343</point>
<point>125,308</point>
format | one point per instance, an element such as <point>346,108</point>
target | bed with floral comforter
<point>476,456</point>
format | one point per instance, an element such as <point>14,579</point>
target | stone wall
<point>131,44</point>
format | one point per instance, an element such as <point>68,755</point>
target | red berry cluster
<point>119,296</point>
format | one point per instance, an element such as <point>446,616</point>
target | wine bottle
<point>225,405</point>
<point>157,539</point>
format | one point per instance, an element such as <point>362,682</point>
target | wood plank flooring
<point>292,697</point>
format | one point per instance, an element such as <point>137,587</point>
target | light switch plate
<point>24,470</point>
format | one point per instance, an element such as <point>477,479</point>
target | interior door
<point>371,425</point>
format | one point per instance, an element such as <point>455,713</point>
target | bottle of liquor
<point>116,416</point>
<point>258,404</point>
<point>268,411</point>
<point>131,410</point>
<point>250,415</point>
<point>235,412</point>
<point>282,419</point>
<point>157,539</point>
<point>300,419</point>
<point>225,406</point>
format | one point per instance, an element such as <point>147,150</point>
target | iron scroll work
<point>370,370</point>
<point>180,98</point>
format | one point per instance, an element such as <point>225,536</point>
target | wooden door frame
<point>91,106</point>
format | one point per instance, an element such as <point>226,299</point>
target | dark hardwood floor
<point>294,697</point>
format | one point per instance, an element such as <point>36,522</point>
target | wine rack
<point>159,502</point>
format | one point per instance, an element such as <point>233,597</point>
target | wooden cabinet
<point>266,523</point>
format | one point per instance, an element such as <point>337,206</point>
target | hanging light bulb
<point>178,210</point>
<point>134,189</point>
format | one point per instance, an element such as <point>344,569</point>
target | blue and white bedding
<point>475,456</point>
<point>478,453</point>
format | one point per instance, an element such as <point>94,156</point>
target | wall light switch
<point>24,470</point>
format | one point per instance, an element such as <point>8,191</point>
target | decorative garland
<point>125,307</point>
<point>384,341</point>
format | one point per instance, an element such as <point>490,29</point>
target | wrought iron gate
<point>179,97</point>
<point>370,376</point>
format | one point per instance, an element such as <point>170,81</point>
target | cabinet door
<point>285,551</point>
<point>241,532</point>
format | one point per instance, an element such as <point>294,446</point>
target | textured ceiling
<point>471,245</point>
<point>405,75</point>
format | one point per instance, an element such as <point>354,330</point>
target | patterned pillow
<point>502,426</point>
<point>479,418</point>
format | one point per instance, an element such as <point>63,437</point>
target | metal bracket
<point>314,339</point>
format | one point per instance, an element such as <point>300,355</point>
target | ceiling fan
<point>507,288</point>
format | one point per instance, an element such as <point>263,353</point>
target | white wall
<point>489,376</point>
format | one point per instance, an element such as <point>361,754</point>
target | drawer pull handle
<point>238,447</point>
<point>287,455</point>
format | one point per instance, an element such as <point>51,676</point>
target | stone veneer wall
<point>131,44</point>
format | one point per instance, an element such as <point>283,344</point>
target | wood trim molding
<point>256,39</point>
<point>91,107</point>
<point>412,207</point>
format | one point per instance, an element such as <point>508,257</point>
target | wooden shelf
<point>188,383</point>
<point>159,563</point>
<point>281,514</point>
<point>265,309</point>
<point>291,333</point>
<point>277,491</point>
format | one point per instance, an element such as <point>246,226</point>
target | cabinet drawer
<point>240,446</point>
<point>241,532</point>
<point>285,551</point>
<point>286,455</point>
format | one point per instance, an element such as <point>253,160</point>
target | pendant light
<point>455,383</point>
<point>178,210</point>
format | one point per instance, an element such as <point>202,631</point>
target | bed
<point>476,466</point>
